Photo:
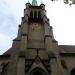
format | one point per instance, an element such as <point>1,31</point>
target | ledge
<point>48,36</point>
<point>16,40</point>
<point>24,34</point>
<point>4,56</point>
<point>67,54</point>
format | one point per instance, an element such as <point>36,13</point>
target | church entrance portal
<point>38,71</point>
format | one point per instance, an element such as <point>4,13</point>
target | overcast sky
<point>62,18</point>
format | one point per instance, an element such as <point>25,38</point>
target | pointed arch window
<point>35,14</point>
<point>39,14</point>
<point>38,71</point>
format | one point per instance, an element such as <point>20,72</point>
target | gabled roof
<point>8,52</point>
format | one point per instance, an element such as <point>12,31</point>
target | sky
<point>62,19</point>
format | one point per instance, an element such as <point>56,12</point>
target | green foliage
<point>70,2</point>
<point>66,1</point>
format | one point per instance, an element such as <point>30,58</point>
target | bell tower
<point>35,51</point>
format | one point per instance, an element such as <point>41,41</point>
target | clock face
<point>35,25</point>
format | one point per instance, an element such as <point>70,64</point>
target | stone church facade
<point>35,51</point>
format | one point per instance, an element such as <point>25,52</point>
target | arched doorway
<point>38,71</point>
<point>73,71</point>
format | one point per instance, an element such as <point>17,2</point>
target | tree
<point>70,2</point>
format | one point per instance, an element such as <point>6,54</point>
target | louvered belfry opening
<point>35,16</point>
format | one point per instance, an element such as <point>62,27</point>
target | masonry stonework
<point>35,51</point>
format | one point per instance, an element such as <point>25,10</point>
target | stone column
<point>59,65</point>
<point>24,26</point>
<point>24,35</point>
<point>51,32</point>
<point>57,55</point>
<point>12,67</point>
<point>48,43</point>
<point>48,37</point>
<point>0,68</point>
<point>23,45</point>
<point>19,32</point>
<point>21,66</point>
<point>54,67</point>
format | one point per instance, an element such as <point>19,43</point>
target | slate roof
<point>7,52</point>
<point>67,48</point>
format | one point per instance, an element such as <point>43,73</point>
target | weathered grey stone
<point>35,51</point>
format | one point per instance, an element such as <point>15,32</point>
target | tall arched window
<point>31,14</point>
<point>35,14</point>
<point>39,14</point>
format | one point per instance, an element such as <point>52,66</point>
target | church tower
<point>35,51</point>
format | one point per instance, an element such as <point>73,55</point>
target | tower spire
<point>41,2</point>
<point>34,2</point>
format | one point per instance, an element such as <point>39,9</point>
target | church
<point>35,51</point>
